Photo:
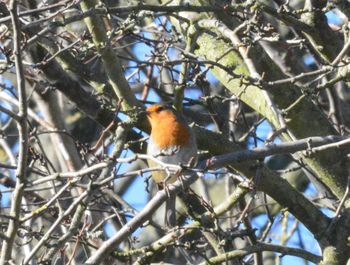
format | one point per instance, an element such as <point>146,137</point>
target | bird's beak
<point>148,114</point>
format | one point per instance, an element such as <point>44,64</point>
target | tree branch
<point>260,247</point>
<point>111,63</point>
<point>21,171</point>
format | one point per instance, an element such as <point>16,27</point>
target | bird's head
<point>157,112</point>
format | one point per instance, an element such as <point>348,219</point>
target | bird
<point>171,141</point>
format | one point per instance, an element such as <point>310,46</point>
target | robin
<point>171,141</point>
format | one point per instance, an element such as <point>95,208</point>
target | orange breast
<point>167,131</point>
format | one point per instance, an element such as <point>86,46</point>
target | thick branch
<point>310,145</point>
<point>111,63</point>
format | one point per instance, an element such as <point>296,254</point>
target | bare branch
<point>260,247</point>
<point>21,171</point>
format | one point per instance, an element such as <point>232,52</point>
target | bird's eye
<point>160,108</point>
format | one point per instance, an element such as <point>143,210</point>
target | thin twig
<point>52,228</point>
